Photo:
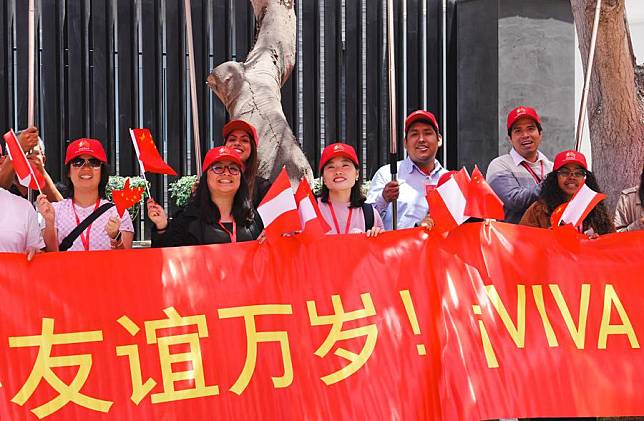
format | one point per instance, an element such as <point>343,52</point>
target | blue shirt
<point>412,204</point>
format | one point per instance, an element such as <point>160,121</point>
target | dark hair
<point>242,210</point>
<point>642,187</point>
<point>250,166</point>
<point>356,199</point>
<point>553,196</point>
<point>535,122</point>
<point>68,191</point>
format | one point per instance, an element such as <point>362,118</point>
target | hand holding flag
<point>27,175</point>
<point>577,209</point>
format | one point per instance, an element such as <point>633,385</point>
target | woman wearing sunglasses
<point>87,174</point>
<point>569,173</point>
<point>220,210</point>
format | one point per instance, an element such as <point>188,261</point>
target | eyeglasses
<point>219,169</point>
<point>568,173</point>
<point>80,162</point>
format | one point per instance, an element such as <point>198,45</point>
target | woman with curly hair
<point>569,173</point>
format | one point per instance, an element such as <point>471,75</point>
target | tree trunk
<point>616,97</point>
<point>251,91</point>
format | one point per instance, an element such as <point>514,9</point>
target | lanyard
<point>233,235</point>
<point>85,238</point>
<point>532,173</point>
<point>335,219</point>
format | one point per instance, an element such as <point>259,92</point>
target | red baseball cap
<point>570,157</point>
<point>420,115</point>
<point>338,149</point>
<point>222,153</point>
<point>521,112</point>
<point>85,146</point>
<point>233,125</point>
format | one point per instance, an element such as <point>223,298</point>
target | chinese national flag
<point>27,175</point>
<point>127,197</point>
<point>146,150</point>
<point>482,202</point>
<point>314,225</point>
<point>278,209</point>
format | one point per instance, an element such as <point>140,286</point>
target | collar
<point>410,166</point>
<point>518,159</point>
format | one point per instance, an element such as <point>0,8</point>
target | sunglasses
<point>80,162</point>
<point>568,173</point>
<point>219,169</point>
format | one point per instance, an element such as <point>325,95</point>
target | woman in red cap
<point>242,137</point>
<point>219,211</point>
<point>570,173</point>
<point>85,220</point>
<point>341,200</point>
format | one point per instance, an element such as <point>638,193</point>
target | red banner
<point>490,321</point>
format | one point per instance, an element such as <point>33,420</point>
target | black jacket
<point>186,229</point>
<point>259,190</point>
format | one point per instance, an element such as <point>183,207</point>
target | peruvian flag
<point>278,209</point>
<point>581,204</point>
<point>447,201</point>
<point>482,202</point>
<point>148,154</point>
<point>313,223</point>
<point>27,175</point>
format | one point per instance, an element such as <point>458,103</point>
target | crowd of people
<point>222,208</point>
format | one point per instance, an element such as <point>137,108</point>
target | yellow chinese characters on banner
<point>45,363</point>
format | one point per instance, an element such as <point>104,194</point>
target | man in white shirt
<point>19,229</point>
<point>516,177</point>
<point>419,170</point>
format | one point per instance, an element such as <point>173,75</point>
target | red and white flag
<point>482,202</point>
<point>278,209</point>
<point>448,199</point>
<point>149,157</point>
<point>313,223</point>
<point>27,175</point>
<point>581,204</point>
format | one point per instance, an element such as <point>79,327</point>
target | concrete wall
<point>510,53</point>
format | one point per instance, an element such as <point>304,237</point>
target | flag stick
<point>444,80</point>
<point>31,76</point>
<point>393,141</point>
<point>141,166</point>
<point>589,71</point>
<point>193,86</point>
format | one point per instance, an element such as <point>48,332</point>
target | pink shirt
<point>356,224</point>
<point>98,238</point>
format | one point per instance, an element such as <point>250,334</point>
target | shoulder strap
<point>72,236</point>
<point>367,210</point>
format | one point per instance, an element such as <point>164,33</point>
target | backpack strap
<point>72,236</point>
<point>367,210</point>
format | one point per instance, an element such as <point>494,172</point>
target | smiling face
<point>221,179</point>
<point>570,178</point>
<point>240,141</point>
<point>339,173</point>
<point>525,138</point>
<point>422,141</point>
<point>86,177</point>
